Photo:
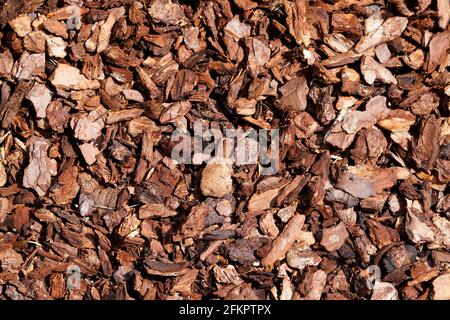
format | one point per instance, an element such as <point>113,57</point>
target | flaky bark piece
<point>389,30</point>
<point>285,240</point>
<point>425,149</point>
<point>11,108</point>
<point>41,168</point>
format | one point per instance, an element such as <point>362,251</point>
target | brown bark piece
<point>424,148</point>
<point>316,285</point>
<point>29,66</point>
<point>106,28</point>
<point>418,227</point>
<point>56,47</point>
<point>381,235</point>
<point>155,210</point>
<point>57,115</point>
<point>441,287</point>
<point>56,27</point>
<point>351,96</point>
<point>88,127</point>
<point>67,187</point>
<point>333,238</point>
<point>10,260</point>
<point>67,77</point>
<point>389,30</point>
<point>165,11</point>
<point>375,110</point>
<point>41,168</point>
<point>216,180</point>
<point>301,259</point>
<point>21,25</point>
<point>41,97</point>
<point>359,187</point>
<point>373,70</point>
<point>438,45</point>
<point>13,104</point>
<point>284,241</point>
<point>384,291</point>
<point>294,94</point>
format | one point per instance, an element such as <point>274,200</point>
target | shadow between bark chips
<point>209,150</point>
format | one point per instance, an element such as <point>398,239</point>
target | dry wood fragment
<point>38,173</point>
<point>227,275</point>
<point>383,53</point>
<point>56,47</point>
<point>284,241</point>
<point>184,283</point>
<point>438,47</point>
<point>440,287</point>
<point>316,285</point>
<point>29,66</point>
<point>11,107</point>
<point>293,94</point>
<point>88,127</point>
<point>106,28</point>
<point>296,20</point>
<point>148,82</point>
<point>359,187</point>
<point>398,120</point>
<point>10,260</point>
<point>301,259</point>
<point>174,111</point>
<point>389,30</point>
<point>3,179</point>
<point>384,291</point>
<point>67,187</point>
<point>70,78</point>
<point>165,269</point>
<point>423,272</point>
<point>443,8</point>
<point>381,235</point>
<point>21,25</point>
<point>133,95</point>
<point>57,286</point>
<point>155,210</point>
<point>375,110</point>
<point>216,180</point>
<point>373,70</point>
<point>57,116</point>
<point>56,27</point>
<point>165,11</point>
<point>333,238</point>
<point>381,178</point>
<point>237,29</point>
<point>338,42</point>
<point>419,227</point>
<point>123,115</point>
<point>41,97</point>
<point>6,63</point>
<point>92,92</point>
<point>424,150</point>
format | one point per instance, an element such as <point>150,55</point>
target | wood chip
<point>346,104</point>
<point>333,238</point>
<point>216,180</point>
<point>284,241</point>
<point>441,287</point>
<point>38,173</point>
<point>67,77</point>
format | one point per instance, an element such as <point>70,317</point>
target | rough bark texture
<point>94,204</point>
